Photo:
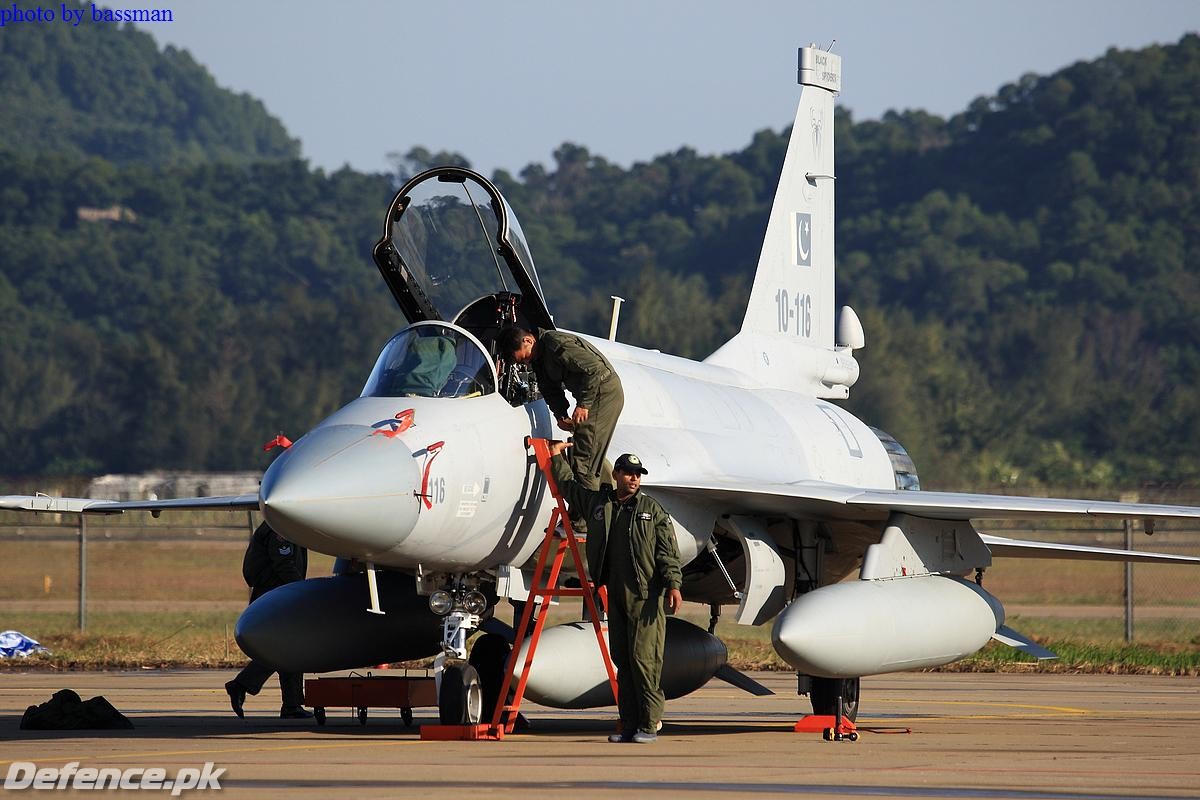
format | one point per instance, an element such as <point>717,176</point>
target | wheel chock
<point>827,725</point>
<point>461,733</point>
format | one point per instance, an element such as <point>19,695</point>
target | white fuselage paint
<point>484,502</point>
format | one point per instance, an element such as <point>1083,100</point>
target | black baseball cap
<point>631,464</point>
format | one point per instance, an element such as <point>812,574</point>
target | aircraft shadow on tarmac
<point>342,724</point>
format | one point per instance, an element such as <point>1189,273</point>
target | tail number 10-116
<point>795,313</point>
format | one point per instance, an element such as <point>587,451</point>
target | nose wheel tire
<point>460,700</point>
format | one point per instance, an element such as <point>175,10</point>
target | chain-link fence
<point>1103,600</point>
<point>130,565</point>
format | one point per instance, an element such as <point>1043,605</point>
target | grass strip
<point>195,648</point>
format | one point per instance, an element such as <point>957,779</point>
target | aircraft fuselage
<point>458,491</point>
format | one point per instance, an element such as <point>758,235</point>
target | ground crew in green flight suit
<point>271,561</point>
<point>563,359</point>
<point>631,549</point>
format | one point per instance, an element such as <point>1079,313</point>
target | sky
<point>506,83</point>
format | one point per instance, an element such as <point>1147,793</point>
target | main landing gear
<point>489,657</point>
<point>823,693</point>
<point>835,707</point>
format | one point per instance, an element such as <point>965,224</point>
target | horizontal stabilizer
<point>742,681</point>
<point>1006,635</point>
<point>81,505</point>
<point>1017,548</point>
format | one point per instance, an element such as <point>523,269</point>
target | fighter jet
<point>426,490</point>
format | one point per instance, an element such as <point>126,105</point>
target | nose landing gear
<point>460,693</point>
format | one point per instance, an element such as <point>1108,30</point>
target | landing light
<point>441,602</point>
<point>474,603</point>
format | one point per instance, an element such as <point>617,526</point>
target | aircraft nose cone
<point>343,490</point>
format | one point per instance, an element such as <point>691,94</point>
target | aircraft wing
<point>847,502</point>
<point>956,505</point>
<point>54,505</point>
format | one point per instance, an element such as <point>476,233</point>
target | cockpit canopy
<point>452,250</point>
<point>431,359</point>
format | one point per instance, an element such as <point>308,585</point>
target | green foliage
<point>235,305</point>
<point>107,90</point>
<point>1025,270</point>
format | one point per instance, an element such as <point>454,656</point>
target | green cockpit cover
<point>424,371</point>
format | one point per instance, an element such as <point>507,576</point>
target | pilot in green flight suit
<point>631,549</point>
<point>563,359</point>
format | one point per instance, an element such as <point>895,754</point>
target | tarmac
<point>1064,737</point>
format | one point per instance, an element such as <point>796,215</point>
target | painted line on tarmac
<point>639,788</point>
<point>1051,711</point>
<point>1054,709</point>
<point>1090,771</point>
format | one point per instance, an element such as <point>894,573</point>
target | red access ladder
<point>553,552</point>
<point>545,587</point>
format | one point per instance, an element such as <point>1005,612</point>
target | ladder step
<point>559,540</point>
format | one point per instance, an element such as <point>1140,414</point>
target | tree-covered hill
<point>107,90</point>
<point>1037,260</point>
<point>1027,273</point>
<point>238,302</point>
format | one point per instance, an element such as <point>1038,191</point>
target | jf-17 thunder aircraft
<point>426,489</point>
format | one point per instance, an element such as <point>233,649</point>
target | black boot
<point>237,698</point>
<point>294,712</point>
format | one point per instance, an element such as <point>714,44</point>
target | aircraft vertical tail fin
<point>787,336</point>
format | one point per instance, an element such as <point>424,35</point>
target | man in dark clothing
<point>631,549</point>
<point>559,360</point>
<point>270,562</point>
